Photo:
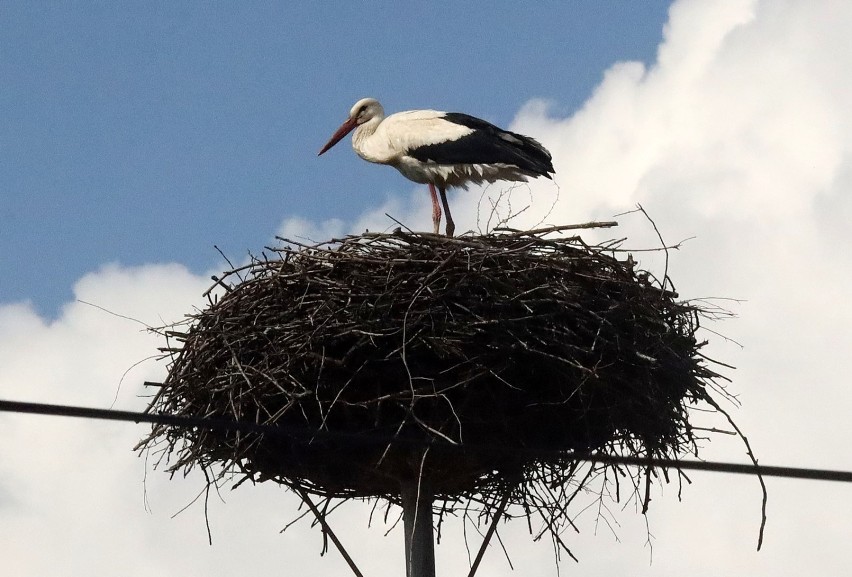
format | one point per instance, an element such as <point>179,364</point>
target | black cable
<point>305,433</point>
<point>132,416</point>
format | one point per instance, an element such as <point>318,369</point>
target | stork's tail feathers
<point>532,156</point>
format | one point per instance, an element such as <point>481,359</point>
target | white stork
<point>441,149</point>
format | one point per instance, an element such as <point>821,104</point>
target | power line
<point>305,433</point>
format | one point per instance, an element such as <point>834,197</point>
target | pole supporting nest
<point>419,535</point>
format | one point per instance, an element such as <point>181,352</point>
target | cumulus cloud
<point>739,134</point>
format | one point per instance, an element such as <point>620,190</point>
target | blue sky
<point>134,138</point>
<point>150,132</point>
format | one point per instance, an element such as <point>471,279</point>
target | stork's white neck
<point>364,147</point>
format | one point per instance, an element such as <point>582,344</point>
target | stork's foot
<point>451,227</point>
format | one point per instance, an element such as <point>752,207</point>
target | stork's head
<point>364,111</point>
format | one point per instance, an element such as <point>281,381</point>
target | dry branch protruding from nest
<point>492,354</point>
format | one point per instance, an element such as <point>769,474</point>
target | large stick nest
<point>475,364</point>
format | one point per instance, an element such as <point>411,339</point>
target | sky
<point>135,140</point>
<point>149,133</point>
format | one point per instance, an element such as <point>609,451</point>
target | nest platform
<point>474,364</point>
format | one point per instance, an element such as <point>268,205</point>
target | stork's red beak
<point>344,129</point>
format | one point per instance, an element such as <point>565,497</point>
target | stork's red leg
<point>436,209</point>
<point>451,226</point>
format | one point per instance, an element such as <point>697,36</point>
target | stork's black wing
<point>487,144</point>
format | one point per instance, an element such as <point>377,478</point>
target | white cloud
<point>740,135</point>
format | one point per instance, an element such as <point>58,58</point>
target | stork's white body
<point>441,149</point>
<point>388,141</point>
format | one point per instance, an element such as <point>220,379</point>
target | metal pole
<point>325,526</point>
<point>419,539</point>
<point>494,521</point>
